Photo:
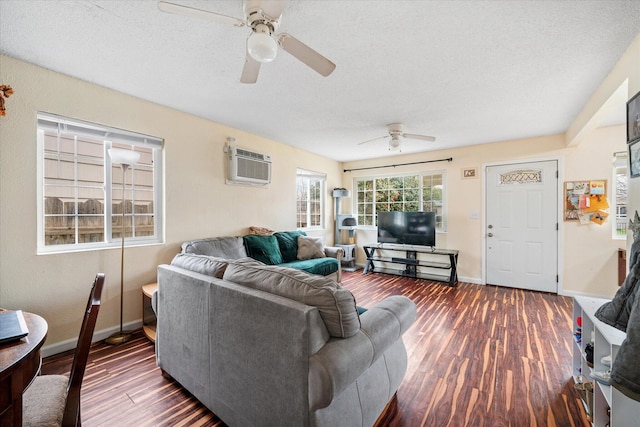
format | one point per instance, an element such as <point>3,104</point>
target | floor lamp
<point>125,158</point>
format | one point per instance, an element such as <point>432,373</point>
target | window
<point>310,199</point>
<point>80,191</point>
<point>621,181</point>
<point>409,193</point>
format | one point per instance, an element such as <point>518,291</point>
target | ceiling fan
<point>263,17</point>
<point>396,133</point>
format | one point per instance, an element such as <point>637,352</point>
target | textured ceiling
<point>466,72</point>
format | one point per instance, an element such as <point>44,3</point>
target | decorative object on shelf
<point>588,354</point>
<point>5,92</point>
<point>125,158</point>
<point>633,118</point>
<point>578,332</point>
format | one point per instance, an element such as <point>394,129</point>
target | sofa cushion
<point>310,247</point>
<point>336,305</point>
<point>321,266</point>
<point>223,247</point>
<point>209,265</point>
<point>288,243</point>
<point>263,248</point>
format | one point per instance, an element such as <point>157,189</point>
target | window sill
<point>68,250</point>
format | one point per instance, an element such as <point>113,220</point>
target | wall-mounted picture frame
<point>633,118</point>
<point>634,158</point>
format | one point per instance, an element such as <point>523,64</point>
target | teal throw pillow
<point>263,248</point>
<point>288,241</point>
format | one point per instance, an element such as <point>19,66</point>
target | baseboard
<point>62,346</point>
<point>473,280</point>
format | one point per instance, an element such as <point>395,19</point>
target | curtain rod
<point>450,159</point>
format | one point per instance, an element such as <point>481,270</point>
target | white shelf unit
<point>606,340</point>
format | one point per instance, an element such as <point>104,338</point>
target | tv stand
<point>414,266</point>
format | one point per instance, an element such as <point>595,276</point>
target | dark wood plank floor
<point>478,356</point>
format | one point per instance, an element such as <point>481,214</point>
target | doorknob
<point>490,226</point>
<point>490,234</point>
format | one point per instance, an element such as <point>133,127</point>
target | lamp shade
<point>262,47</point>
<point>124,157</point>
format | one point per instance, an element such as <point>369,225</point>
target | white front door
<point>522,225</point>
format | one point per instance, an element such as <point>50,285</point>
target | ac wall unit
<point>248,167</point>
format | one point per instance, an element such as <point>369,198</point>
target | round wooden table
<point>19,363</point>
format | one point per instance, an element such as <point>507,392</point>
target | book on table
<point>12,326</point>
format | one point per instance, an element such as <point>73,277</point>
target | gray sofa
<point>281,248</point>
<point>266,345</point>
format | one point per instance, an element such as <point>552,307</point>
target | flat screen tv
<point>407,228</point>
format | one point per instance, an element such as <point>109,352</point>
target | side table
<point>148,315</point>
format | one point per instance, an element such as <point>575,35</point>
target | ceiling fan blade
<point>306,55</point>
<point>199,13</point>
<point>374,139</point>
<point>273,8</point>
<point>421,137</point>
<point>250,70</point>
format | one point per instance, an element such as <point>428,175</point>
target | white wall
<point>198,202</point>
<point>626,71</point>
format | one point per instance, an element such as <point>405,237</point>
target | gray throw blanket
<point>618,311</point>
<point>623,312</point>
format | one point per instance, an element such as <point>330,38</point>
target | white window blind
<point>80,191</point>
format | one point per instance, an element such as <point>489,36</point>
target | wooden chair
<point>54,400</point>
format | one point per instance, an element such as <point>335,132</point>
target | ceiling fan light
<point>262,47</point>
<point>394,144</point>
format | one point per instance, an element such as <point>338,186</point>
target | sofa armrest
<point>342,360</point>
<point>334,252</point>
<point>337,253</point>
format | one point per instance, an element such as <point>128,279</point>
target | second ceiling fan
<point>396,134</point>
<point>263,17</point>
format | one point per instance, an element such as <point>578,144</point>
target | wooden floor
<point>478,356</point>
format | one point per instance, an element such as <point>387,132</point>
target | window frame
<point>308,176</point>
<point>420,175</point>
<point>108,137</point>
